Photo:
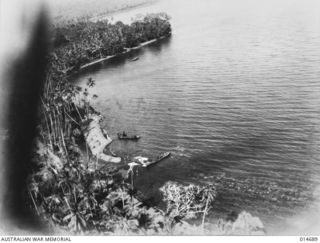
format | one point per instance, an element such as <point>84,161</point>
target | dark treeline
<point>79,43</point>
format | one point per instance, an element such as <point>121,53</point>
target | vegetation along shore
<point>70,189</point>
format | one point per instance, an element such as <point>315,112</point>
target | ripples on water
<point>234,94</point>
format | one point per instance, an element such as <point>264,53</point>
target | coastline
<point>127,50</point>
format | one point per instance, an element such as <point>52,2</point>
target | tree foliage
<point>81,42</point>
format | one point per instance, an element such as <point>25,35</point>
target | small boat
<point>126,137</point>
<point>134,59</point>
<point>158,159</point>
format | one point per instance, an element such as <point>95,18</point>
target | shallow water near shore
<point>234,94</point>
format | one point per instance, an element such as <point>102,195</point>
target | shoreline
<point>127,50</point>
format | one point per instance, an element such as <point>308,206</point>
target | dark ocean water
<point>234,94</point>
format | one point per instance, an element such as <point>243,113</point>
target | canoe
<point>160,158</point>
<point>134,59</point>
<point>134,137</point>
